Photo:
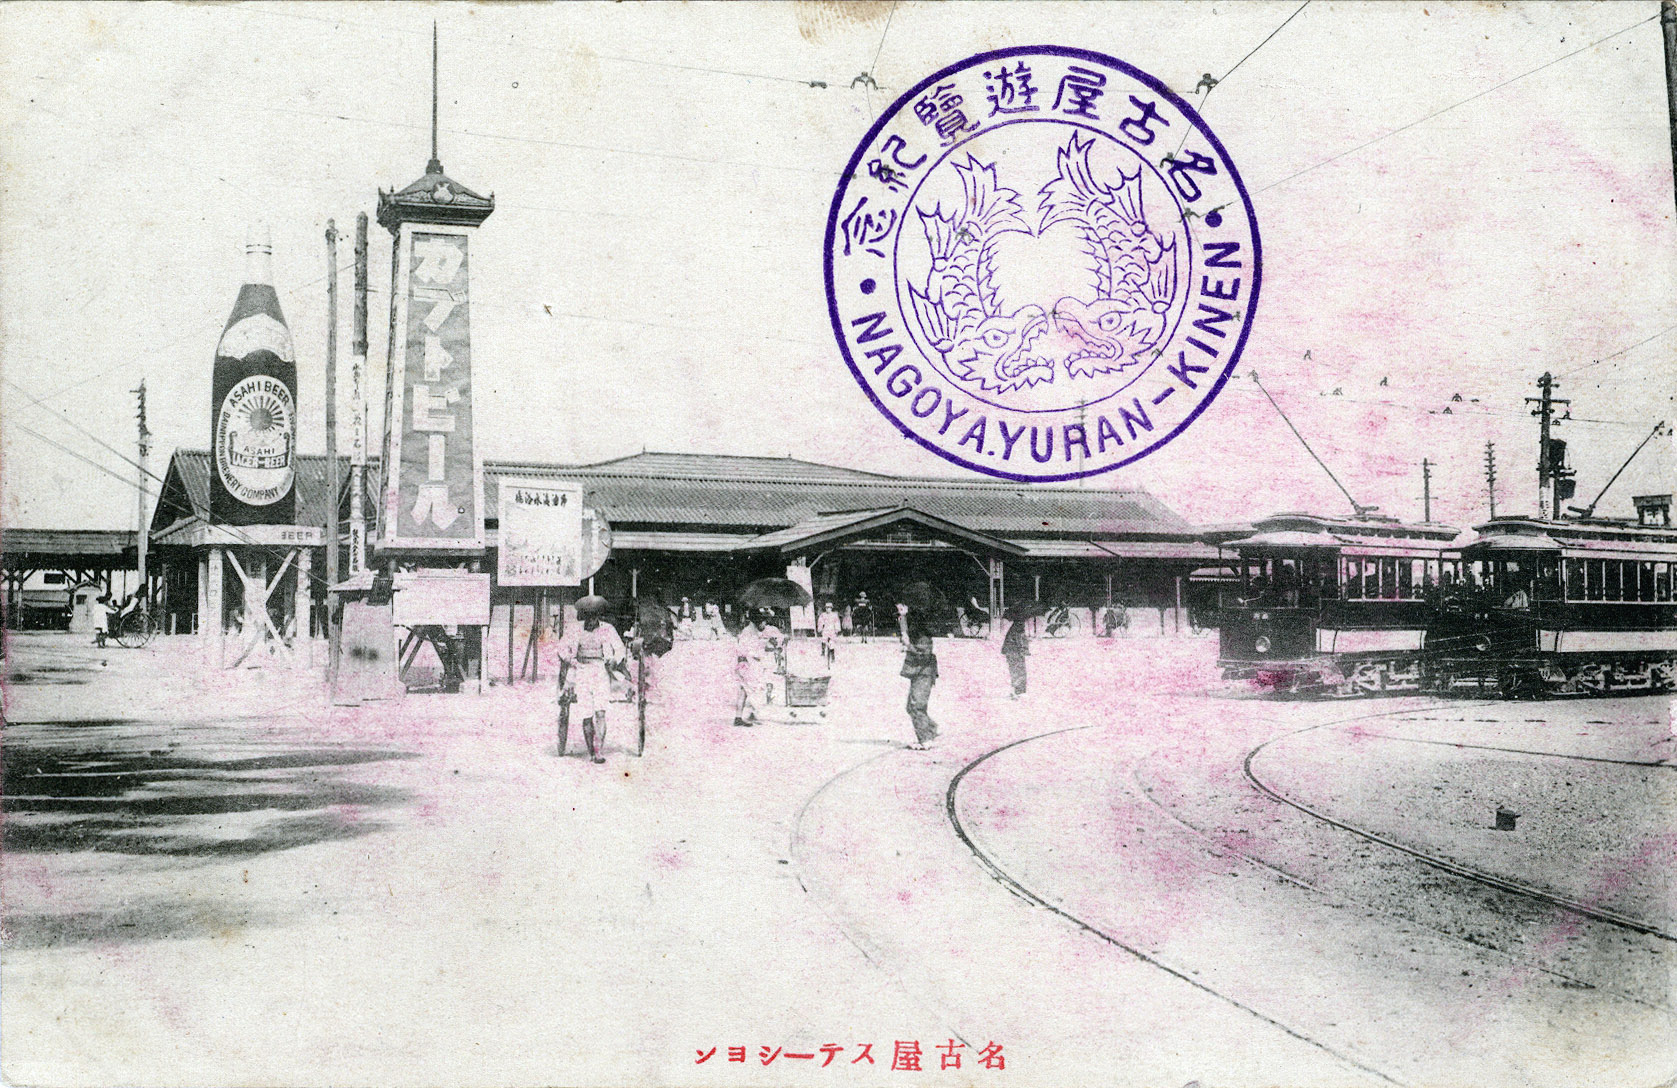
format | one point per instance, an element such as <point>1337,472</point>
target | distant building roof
<point>101,548</point>
<point>773,493</point>
<point>712,493</point>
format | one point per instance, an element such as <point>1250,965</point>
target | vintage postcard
<point>838,544</point>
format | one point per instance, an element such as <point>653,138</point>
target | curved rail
<point>1467,872</point>
<point>1002,877</point>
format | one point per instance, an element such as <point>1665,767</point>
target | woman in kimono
<point>586,651</point>
<point>754,661</point>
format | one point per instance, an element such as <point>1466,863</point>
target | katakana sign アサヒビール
<point>433,484</point>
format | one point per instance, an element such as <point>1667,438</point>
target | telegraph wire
<point>78,456</point>
<point>289,292</point>
<point>173,505</point>
<point>1454,105</point>
<point>1257,47</point>
<point>1616,354</point>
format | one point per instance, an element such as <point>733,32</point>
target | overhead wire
<point>1454,105</point>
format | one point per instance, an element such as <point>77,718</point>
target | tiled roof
<point>718,493</point>
<point>771,493</point>
<point>189,471</point>
<point>64,544</point>
<point>705,466</point>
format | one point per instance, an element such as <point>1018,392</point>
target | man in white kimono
<point>586,651</point>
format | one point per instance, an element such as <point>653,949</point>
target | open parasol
<point>1023,610</point>
<point>774,593</point>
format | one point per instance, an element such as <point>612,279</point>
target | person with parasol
<point>760,641</point>
<point>915,606</point>
<point>588,649</point>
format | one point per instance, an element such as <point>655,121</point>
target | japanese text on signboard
<point>436,486</point>
<point>541,534</point>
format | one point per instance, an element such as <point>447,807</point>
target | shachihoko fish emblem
<point>959,310</point>
<point>1134,272</point>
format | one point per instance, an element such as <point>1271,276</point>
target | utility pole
<point>1552,476</point>
<point>1426,491</point>
<point>1668,24</point>
<point>1490,475</point>
<point>358,407</point>
<point>331,436</point>
<point>142,538</point>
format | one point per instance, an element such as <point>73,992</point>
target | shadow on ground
<point>87,786</point>
<point>152,920</point>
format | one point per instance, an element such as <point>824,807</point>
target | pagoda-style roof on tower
<point>434,198</point>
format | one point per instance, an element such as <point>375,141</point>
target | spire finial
<point>435,166</point>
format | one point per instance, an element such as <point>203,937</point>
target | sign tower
<point>432,501</point>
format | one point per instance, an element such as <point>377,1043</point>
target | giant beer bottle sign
<point>253,405</point>
<point>433,494</point>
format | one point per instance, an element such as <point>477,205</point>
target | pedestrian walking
<point>920,667</point>
<point>861,616</point>
<point>1016,646</point>
<point>827,628</point>
<point>758,643</point>
<point>588,649</point>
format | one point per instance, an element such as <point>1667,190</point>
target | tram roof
<point>1591,535</point>
<point>1357,528</point>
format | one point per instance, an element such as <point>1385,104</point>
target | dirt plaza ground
<point>1135,875</point>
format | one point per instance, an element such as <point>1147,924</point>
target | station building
<point>701,526</point>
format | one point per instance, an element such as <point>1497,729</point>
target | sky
<point>1452,200</point>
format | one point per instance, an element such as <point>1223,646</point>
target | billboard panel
<point>541,535</point>
<point>433,488</point>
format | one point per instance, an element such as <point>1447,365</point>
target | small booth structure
<point>252,593</point>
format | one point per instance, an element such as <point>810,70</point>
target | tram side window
<point>1388,578</point>
<point>1403,582</point>
<point>1371,579</point>
<point>1574,579</point>
<point>1595,578</point>
<point>1350,573</point>
<point>1662,581</point>
<point>1615,580</point>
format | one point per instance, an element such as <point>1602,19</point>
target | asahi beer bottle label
<point>254,437</point>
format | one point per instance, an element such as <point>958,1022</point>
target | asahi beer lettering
<point>1041,264</point>
<point>254,407</point>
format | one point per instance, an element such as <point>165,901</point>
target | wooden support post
<point>302,602</point>
<point>213,625</point>
<point>512,622</point>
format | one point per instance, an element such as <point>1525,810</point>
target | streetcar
<point>1335,605</point>
<point>1559,607</point>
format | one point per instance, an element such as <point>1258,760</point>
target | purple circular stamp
<point>1041,264</point>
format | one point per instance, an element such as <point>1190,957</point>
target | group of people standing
<point>592,650</point>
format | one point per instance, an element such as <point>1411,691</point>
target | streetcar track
<point>1467,872</point>
<point>1002,877</point>
<point>1291,878</point>
<point>1659,763</point>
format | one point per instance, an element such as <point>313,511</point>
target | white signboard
<point>441,597</point>
<point>541,535</point>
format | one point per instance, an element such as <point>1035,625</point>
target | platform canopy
<point>68,549</point>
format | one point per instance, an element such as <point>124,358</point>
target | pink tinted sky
<point>652,275</point>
